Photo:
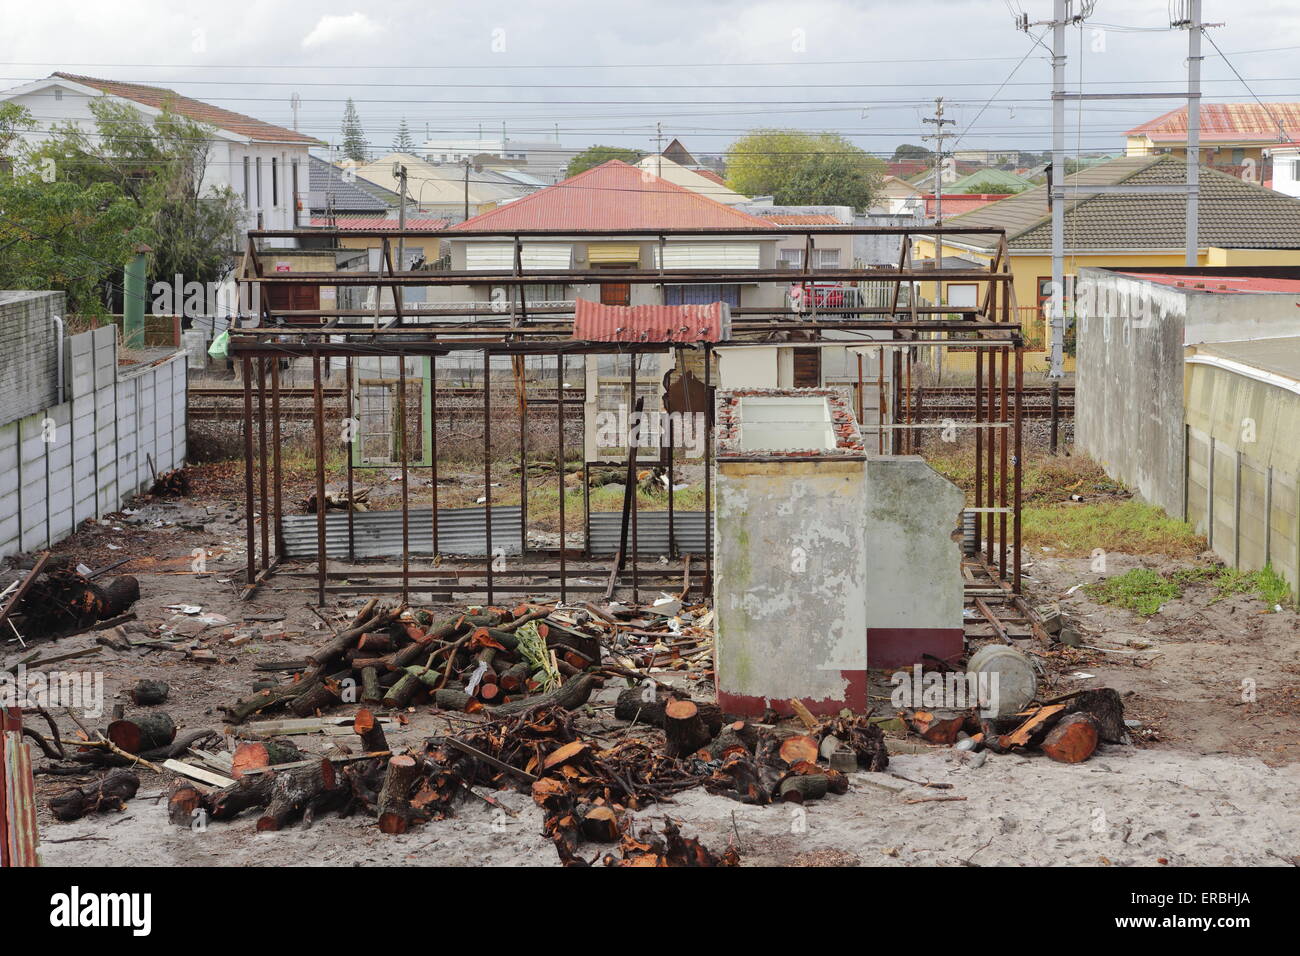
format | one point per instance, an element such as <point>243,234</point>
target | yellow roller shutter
<point>613,253</point>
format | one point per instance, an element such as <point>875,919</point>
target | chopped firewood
<point>937,728</point>
<point>803,713</point>
<point>799,747</point>
<point>1073,739</point>
<point>1035,726</point>
<point>110,793</point>
<point>184,802</point>
<point>370,731</point>
<point>801,787</point>
<point>394,798</point>
<point>648,849</point>
<point>171,484</point>
<point>295,792</point>
<point>600,825</point>
<point>638,703</point>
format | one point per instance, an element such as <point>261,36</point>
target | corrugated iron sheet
<point>593,322</point>
<point>378,534</point>
<point>651,532</point>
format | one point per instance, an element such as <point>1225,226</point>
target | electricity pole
<point>939,155</point>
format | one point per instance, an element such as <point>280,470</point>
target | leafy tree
<point>593,156</point>
<point>405,142</point>
<point>354,139</point>
<point>798,168</point>
<point>993,187</point>
<point>13,120</point>
<point>159,164</point>
<point>910,151</point>
<point>66,236</point>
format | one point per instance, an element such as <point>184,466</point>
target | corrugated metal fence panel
<point>651,532</point>
<point>378,534</point>
<point>59,471</point>
<point>9,523</point>
<point>32,477</point>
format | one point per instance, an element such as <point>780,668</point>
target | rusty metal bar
<point>354,433</point>
<point>262,477</point>
<point>634,456</point>
<point>1002,472</point>
<point>433,446</point>
<point>989,472</point>
<point>246,368</point>
<point>487,464</point>
<point>277,477</point>
<point>708,473</point>
<point>979,450</point>
<point>322,557</point>
<point>559,468</point>
<point>1018,465</point>
<point>406,476</point>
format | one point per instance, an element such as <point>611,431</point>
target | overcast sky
<point>608,71</point>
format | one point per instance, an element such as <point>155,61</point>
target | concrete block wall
<point>83,457</point>
<point>29,352</point>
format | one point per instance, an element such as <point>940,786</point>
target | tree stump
<point>1072,740</point>
<point>684,728</point>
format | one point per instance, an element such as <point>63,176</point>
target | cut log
<point>253,790</point>
<point>370,731</point>
<point>110,793</point>
<point>1106,708</point>
<point>400,694</point>
<point>735,737</point>
<point>799,747</point>
<point>319,696</point>
<point>937,727</point>
<point>147,693</point>
<point>183,799</point>
<point>684,728</point>
<point>119,594</point>
<point>569,695</point>
<point>801,787</point>
<point>370,690</point>
<point>270,700</point>
<point>144,732</point>
<point>1072,740</point>
<point>394,797</point>
<point>636,703</point>
<point>262,753</point>
<point>1034,727</point>
<point>346,640</point>
<point>295,792</point>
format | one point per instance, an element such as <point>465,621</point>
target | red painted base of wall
<point>855,698</point>
<point>893,647</point>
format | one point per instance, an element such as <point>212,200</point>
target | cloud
<point>331,28</point>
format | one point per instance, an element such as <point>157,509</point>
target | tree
<point>593,156</point>
<point>993,188</point>
<point>354,138</point>
<point>13,120</point>
<point>66,236</point>
<point>798,168</point>
<point>404,143</point>
<point>909,151</point>
<point>160,165</point>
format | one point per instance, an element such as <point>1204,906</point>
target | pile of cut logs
<point>1067,729</point>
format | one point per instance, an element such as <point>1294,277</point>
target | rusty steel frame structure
<point>258,344</point>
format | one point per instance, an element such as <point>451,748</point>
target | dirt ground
<point>1209,780</point>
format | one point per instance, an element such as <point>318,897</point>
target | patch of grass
<point>1130,527</point>
<point>1144,591</point>
<point>1140,590</point>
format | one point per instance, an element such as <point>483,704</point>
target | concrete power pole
<point>1193,25</point>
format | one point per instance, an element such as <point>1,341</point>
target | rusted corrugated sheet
<point>378,534</point>
<point>18,830</point>
<point>1227,122</point>
<point>593,322</point>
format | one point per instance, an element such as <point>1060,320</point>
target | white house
<point>1286,170</point>
<point>264,164</point>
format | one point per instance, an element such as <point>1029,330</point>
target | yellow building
<point>1233,136</point>
<point>1240,224</point>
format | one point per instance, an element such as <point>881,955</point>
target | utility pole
<point>399,172</point>
<point>659,150</point>
<point>939,155</point>
<point>1063,15</point>
<point>295,101</point>
<point>468,162</point>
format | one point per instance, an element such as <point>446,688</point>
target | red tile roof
<point>159,97</point>
<point>613,196</point>
<point>1222,284</point>
<point>1228,123</point>
<point>593,322</point>
<point>378,222</point>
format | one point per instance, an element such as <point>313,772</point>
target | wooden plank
<point>195,772</point>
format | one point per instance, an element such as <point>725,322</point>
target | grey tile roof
<point>326,181</point>
<point>1233,214</point>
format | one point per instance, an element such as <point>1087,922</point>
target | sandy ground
<point>1210,779</point>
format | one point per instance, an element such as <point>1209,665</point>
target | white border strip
<point>1249,371</point>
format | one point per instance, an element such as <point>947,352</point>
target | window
<point>259,182</point>
<point>275,183</point>
<point>58,93</point>
<point>246,184</point>
<point>826,258</point>
<point>790,258</point>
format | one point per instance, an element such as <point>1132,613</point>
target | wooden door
<point>807,368</point>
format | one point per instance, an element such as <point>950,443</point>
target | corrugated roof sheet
<point>593,322</point>
<point>1233,214</point>
<point>159,98</point>
<point>1228,122</point>
<point>613,196</point>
